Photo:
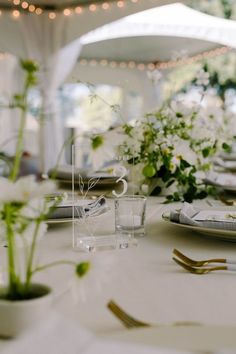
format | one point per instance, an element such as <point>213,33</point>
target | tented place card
<point>99,175</point>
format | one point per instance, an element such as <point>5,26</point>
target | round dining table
<point>186,311</point>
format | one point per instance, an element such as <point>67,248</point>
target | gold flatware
<point>198,263</point>
<point>200,271</point>
<point>127,320</point>
<point>229,202</point>
<point>130,322</point>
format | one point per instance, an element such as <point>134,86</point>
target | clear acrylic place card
<point>99,177</point>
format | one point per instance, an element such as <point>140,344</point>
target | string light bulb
<point>78,10</point>
<point>31,8</point>
<point>67,12</point>
<point>105,6</point>
<point>52,15</point>
<point>120,4</point>
<point>16,14</point>
<point>24,5</point>
<point>38,11</point>
<point>92,7</point>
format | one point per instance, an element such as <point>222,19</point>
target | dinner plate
<point>103,181</point>
<point>226,235</point>
<point>225,181</point>
<point>58,221</point>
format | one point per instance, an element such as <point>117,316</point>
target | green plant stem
<point>29,271</point>
<point>10,249</point>
<point>68,141</point>
<point>52,264</point>
<point>19,147</point>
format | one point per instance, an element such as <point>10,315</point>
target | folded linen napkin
<point>228,165</point>
<point>221,179</point>
<point>82,208</point>
<point>211,218</point>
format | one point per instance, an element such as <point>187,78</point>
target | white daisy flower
<point>24,189</point>
<point>202,78</point>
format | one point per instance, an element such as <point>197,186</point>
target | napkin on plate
<point>221,179</point>
<point>82,207</point>
<point>211,218</point>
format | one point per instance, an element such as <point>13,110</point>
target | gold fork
<point>200,271</point>
<point>130,322</point>
<point>127,320</point>
<point>198,263</point>
<point>231,202</point>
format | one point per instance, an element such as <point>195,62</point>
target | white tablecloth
<point>148,284</point>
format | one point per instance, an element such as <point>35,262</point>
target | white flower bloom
<point>6,190</point>
<point>182,149</point>
<point>145,189</point>
<point>36,207</point>
<point>179,106</point>
<point>175,162</point>
<point>24,189</point>
<point>202,78</point>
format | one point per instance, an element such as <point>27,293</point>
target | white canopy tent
<point>54,43</point>
<point>150,36</point>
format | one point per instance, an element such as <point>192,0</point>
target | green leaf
<point>127,129</point>
<point>226,147</point>
<point>184,164</point>
<point>156,191</point>
<point>82,269</point>
<point>206,151</point>
<point>97,141</point>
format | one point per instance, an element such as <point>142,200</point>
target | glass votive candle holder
<point>130,211</point>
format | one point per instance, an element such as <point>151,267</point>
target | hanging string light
<point>170,64</point>
<point>75,9</point>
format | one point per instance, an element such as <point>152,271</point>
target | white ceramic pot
<point>17,316</point>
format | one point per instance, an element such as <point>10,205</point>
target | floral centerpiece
<point>172,148</point>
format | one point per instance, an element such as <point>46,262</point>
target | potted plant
<point>23,211</point>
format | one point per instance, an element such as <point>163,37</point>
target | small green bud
<point>82,269</point>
